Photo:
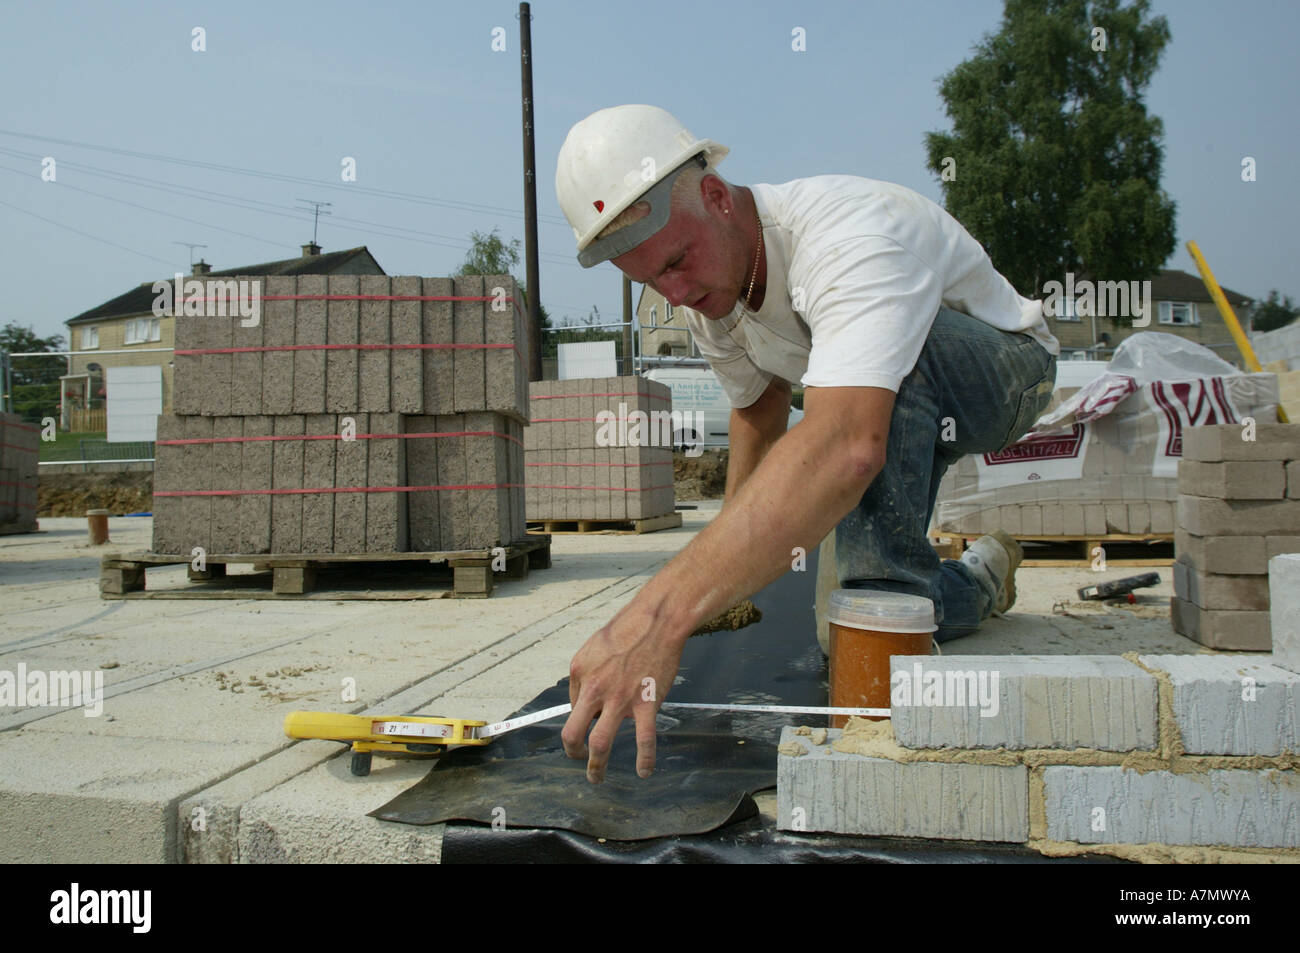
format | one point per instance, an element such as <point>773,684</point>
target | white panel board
<point>587,359</point>
<point>134,400</point>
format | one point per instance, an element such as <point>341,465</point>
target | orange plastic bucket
<point>867,627</point>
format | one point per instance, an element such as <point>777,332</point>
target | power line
<point>236,170</point>
<point>96,238</point>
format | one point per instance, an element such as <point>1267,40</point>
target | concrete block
<point>1284,611</point>
<point>343,326</point>
<point>469,391</point>
<point>828,790</point>
<point>187,386</point>
<point>351,469</point>
<point>256,472</point>
<point>452,505</point>
<point>1009,517</point>
<point>196,474</point>
<point>590,403</point>
<point>422,473</point>
<point>501,365</point>
<point>1031,519</point>
<point>1053,519</point>
<point>662,457</point>
<point>1221,628</point>
<point>311,326</point>
<point>374,372</point>
<point>1072,519</point>
<point>1139,518</point>
<point>1280,545</point>
<point>439,361</point>
<point>1162,517</point>
<point>246,367</point>
<point>517,477</point>
<point>571,404</point>
<point>227,460</point>
<point>996,701</point>
<point>1094,519</point>
<point>1233,480</point>
<point>1293,480</point>
<point>169,535</point>
<point>482,526</point>
<point>406,365</point>
<point>604,478</point>
<point>1215,591</point>
<point>504,502</point>
<point>1239,555</point>
<point>1116,518</point>
<point>279,330</point>
<point>1219,442</point>
<point>1232,808</point>
<point>385,516</point>
<point>1232,704</point>
<point>215,370</point>
<point>286,474</point>
<point>1204,516</point>
<point>318,458</point>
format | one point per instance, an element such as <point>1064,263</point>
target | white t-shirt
<point>856,271</point>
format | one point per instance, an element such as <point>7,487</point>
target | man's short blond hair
<point>686,196</point>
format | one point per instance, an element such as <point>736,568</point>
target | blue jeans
<point>993,385</point>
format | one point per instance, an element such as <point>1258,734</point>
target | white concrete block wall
<point>1103,702</point>
<point>1230,808</point>
<point>1284,606</point>
<point>1232,704</point>
<point>827,790</point>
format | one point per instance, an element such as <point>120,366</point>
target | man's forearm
<point>796,494</point>
<point>747,447</point>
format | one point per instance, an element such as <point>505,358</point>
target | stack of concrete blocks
<point>1238,507</point>
<point>1065,754</point>
<point>586,460</point>
<point>414,441</point>
<point>1117,493</point>
<point>19,453</point>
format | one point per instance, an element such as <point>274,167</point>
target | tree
<point>1274,314</point>
<point>489,255</point>
<point>1053,163</point>
<point>35,379</point>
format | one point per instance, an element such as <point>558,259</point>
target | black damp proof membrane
<point>698,806</point>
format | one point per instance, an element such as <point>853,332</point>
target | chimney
<point>200,267</point>
<point>310,250</point>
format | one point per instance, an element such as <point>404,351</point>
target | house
<point>1182,306</point>
<point>126,325</point>
<point>1180,301</point>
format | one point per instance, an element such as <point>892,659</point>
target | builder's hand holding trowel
<point>624,670</point>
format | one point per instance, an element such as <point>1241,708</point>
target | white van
<point>702,403</point>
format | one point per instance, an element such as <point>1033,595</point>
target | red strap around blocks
<point>640,489</point>
<point>665,463</point>
<point>328,297</point>
<point>340,489</point>
<point>344,347</point>
<point>13,446</point>
<point>334,436</point>
<point>626,394</point>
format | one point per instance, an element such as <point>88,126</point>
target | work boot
<point>993,560</point>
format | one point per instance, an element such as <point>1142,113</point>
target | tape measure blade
<point>522,721</point>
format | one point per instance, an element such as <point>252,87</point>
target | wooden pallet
<point>620,527</point>
<point>460,574</point>
<point>1120,549</point>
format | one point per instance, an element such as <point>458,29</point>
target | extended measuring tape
<point>417,735</point>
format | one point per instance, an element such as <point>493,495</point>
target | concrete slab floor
<point>188,762</point>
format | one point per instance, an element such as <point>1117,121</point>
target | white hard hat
<point>614,158</point>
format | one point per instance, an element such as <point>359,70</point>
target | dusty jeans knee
<point>975,389</point>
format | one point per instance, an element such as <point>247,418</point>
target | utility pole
<point>530,196</point>
<point>627,325</point>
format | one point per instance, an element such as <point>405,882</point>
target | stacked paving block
<point>1238,507</point>
<point>1061,750</point>
<point>1118,490</point>
<point>358,414</point>
<point>599,449</point>
<point>19,443</point>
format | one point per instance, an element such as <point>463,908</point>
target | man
<point>913,351</point>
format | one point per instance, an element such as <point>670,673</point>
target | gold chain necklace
<point>757,254</point>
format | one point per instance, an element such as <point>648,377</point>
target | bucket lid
<point>881,611</point>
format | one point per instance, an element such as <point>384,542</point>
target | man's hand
<point>627,666</point>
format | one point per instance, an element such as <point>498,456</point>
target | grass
<point>65,446</point>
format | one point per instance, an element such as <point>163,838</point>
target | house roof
<point>139,300</point>
<point>1174,285</point>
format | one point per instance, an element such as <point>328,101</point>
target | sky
<point>156,144</point>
